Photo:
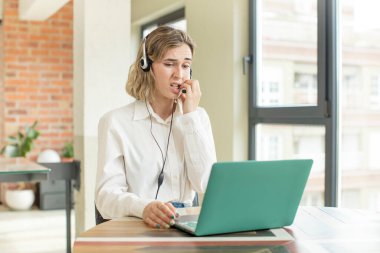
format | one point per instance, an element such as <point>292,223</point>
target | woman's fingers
<point>150,222</point>
<point>158,215</point>
<point>172,209</point>
<point>192,96</point>
<point>168,210</point>
<point>160,221</point>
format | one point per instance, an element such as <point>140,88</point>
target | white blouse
<point>130,161</point>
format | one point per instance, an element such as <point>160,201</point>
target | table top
<point>21,169</point>
<point>315,229</point>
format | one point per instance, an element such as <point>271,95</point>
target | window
<point>271,92</point>
<point>175,19</point>
<point>315,93</point>
<point>360,125</point>
<point>279,141</point>
<point>374,93</point>
<point>291,115</point>
<point>305,88</point>
<point>288,41</point>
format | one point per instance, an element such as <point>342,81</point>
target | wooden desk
<point>315,230</point>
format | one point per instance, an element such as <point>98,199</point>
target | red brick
<point>39,97</point>
<point>27,90</point>
<point>25,59</point>
<point>15,67</point>
<point>17,112</point>
<point>50,60</point>
<point>11,74</point>
<point>49,75</point>
<point>40,52</point>
<point>15,82</point>
<point>15,51</point>
<point>28,104</point>
<point>34,75</point>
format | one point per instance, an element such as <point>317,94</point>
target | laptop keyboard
<point>191,224</point>
<point>188,221</point>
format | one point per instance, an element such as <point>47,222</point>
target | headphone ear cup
<point>145,62</point>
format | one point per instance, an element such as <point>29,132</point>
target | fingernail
<point>158,226</point>
<point>172,222</point>
<point>167,226</point>
<point>172,216</point>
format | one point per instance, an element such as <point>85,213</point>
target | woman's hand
<point>158,214</point>
<point>190,99</point>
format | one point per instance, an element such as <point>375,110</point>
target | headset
<point>145,62</point>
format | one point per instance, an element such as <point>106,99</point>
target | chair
<point>98,217</point>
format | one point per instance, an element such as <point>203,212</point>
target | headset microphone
<point>145,62</point>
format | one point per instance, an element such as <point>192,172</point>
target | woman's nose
<point>179,73</point>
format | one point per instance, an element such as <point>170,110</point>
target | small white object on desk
<point>48,156</point>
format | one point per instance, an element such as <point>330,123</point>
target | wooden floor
<point>33,231</point>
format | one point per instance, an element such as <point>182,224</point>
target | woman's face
<point>171,71</point>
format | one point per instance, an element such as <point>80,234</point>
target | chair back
<point>98,217</point>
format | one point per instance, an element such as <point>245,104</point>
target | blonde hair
<point>140,84</point>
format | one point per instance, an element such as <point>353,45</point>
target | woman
<point>156,152</point>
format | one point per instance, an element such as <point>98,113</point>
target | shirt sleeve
<point>111,195</point>
<point>199,148</point>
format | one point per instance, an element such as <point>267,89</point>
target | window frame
<point>168,18</point>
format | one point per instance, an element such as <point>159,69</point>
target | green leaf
<point>68,150</point>
<point>12,140</point>
<point>33,134</point>
<point>35,124</point>
<point>21,143</point>
<point>20,136</point>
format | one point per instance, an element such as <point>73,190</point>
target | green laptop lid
<point>252,195</point>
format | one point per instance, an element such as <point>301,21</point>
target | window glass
<point>360,100</point>
<point>276,142</point>
<point>288,68</point>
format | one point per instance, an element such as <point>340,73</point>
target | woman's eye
<point>186,66</point>
<point>169,64</point>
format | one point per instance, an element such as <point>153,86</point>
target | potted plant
<point>68,152</point>
<point>20,196</point>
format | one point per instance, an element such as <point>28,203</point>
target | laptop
<point>249,195</point>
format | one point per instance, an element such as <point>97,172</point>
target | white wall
<point>101,62</point>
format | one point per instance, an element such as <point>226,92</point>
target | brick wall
<point>37,76</point>
<point>1,86</point>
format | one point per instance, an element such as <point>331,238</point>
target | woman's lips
<point>176,87</point>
